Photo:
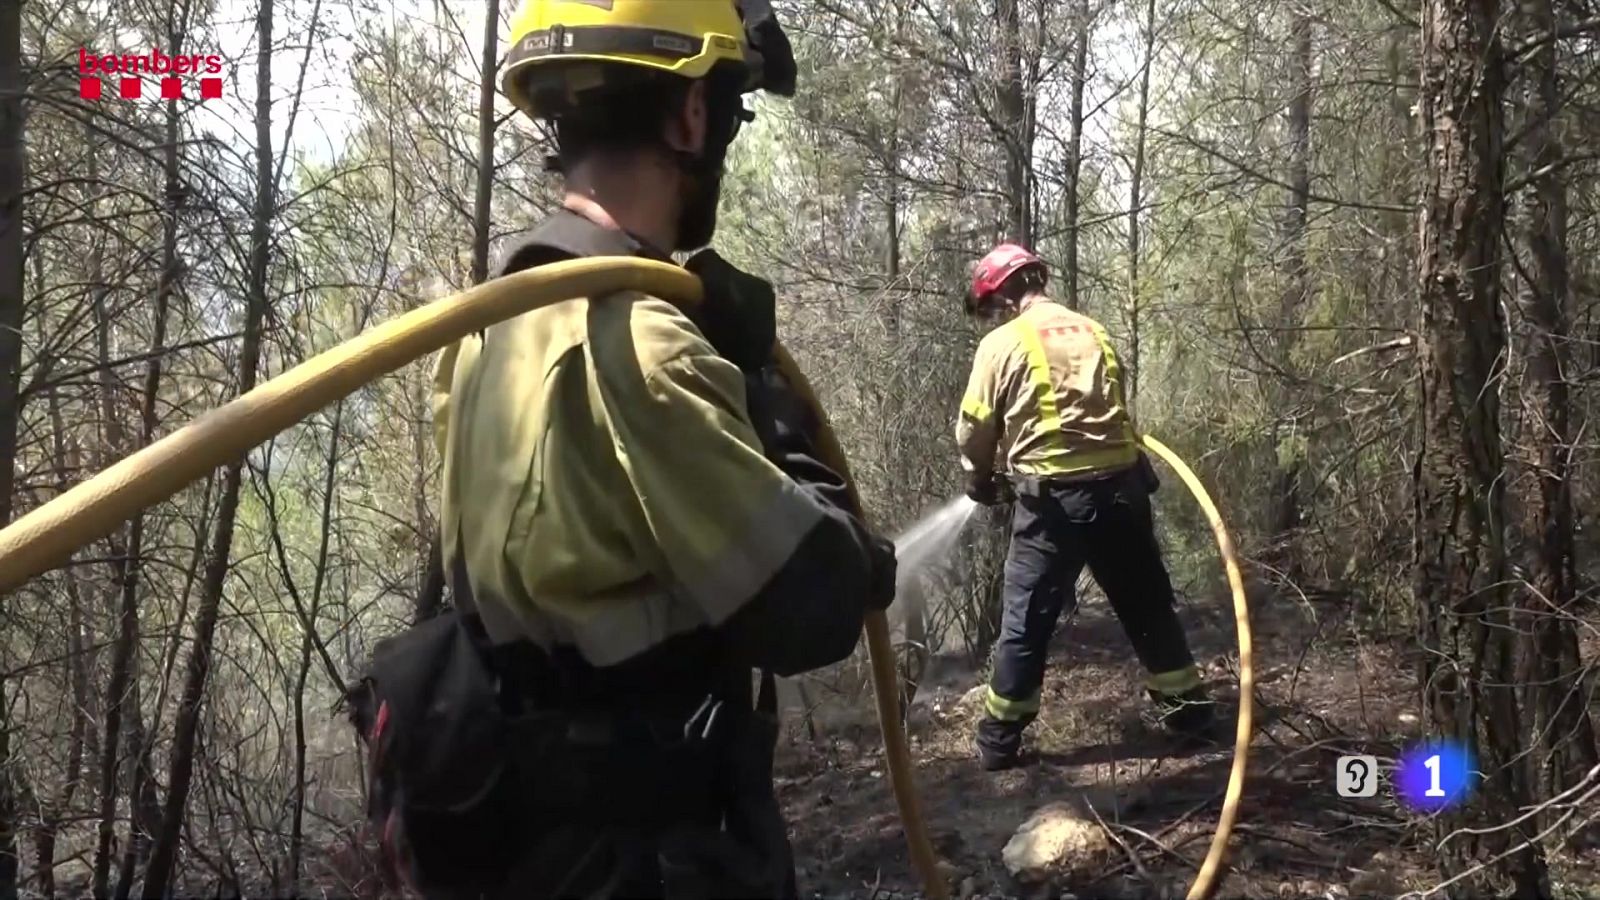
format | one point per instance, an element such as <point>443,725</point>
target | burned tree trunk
<point>1554,701</point>
<point>1468,649</point>
<point>1016,114</point>
<point>12,172</point>
<point>54,814</point>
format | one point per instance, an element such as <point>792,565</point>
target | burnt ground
<point>1320,692</point>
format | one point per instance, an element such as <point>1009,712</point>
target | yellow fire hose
<point>1206,878</point>
<point>47,536</point>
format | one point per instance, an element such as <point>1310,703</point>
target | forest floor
<point>1320,693</point>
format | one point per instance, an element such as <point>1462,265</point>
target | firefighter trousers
<point>734,843</point>
<point>1056,529</point>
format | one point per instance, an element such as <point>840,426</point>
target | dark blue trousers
<point>1056,529</point>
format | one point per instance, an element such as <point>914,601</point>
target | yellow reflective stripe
<point>1008,710</point>
<point>723,582</point>
<point>1043,390</point>
<point>1113,375</point>
<point>1175,682</point>
<point>976,408</point>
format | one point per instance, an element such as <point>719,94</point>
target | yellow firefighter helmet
<point>562,48</point>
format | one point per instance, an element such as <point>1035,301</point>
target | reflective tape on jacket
<point>1042,385</point>
<point>976,408</point>
<point>1046,390</point>
<point>603,482</point>
<point>1114,378</point>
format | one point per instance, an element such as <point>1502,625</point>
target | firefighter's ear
<point>686,130</point>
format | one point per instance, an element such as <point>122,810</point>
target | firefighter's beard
<point>698,220</point>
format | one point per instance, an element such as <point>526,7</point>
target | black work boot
<point>1190,715</point>
<point>1000,745</point>
<point>1000,762</point>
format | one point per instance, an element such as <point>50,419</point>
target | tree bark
<point>430,595</point>
<point>67,460</point>
<point>1553,699</point>
<point>1468,649</point>
<point>163,856</point>
<point>1017,136</point>
<point>1080,74</point>
<point>1136,200</point>
<point>145,802</point>
<point>1295,297</point>
<point>13,170</point>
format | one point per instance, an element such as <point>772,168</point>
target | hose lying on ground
<point>49,535</point>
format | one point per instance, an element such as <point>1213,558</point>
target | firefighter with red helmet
<point>1045,405</point>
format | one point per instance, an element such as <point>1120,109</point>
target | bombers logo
<point>129,66</point>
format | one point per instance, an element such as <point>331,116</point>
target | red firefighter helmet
<point>1001,263</point>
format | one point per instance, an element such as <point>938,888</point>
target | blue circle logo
<point>1434,775</point>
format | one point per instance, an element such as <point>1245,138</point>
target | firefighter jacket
<point>1045,396</point>
<point>607,491</point>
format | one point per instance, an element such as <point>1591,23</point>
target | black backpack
<point>466,773</point>
<point>430,713</point>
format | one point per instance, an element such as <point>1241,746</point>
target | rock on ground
<point>1055,839</point>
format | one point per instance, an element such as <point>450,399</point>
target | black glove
<point>884,570</point>
<point>739,315</point>
<point>990,489</point>
<point>1147,474</point>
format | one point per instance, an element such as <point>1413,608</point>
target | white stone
<point>1054,839</point>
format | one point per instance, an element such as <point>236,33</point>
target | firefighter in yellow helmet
<point>633,516</point>
<point>1046,392</point>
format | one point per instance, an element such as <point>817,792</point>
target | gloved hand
<point>885,567</point>
<point>739,315</point>
<point>989,489</point>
